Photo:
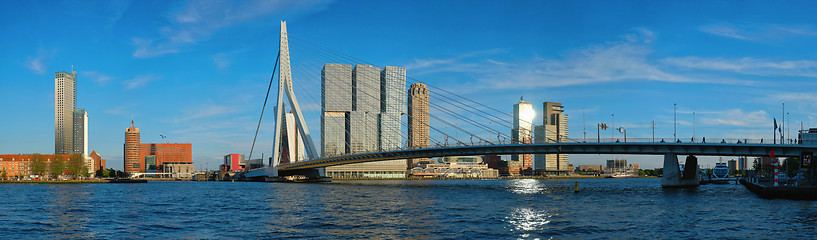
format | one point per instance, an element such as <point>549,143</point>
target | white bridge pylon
<point>303,136</point>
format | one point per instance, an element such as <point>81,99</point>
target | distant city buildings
<point>152,157</point>
<point>552,130</point>
<point>361,112</point>
<point>522,131</point>
<point>418,125</point>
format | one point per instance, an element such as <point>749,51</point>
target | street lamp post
<point>613,129</point>
<point>675,121</point>
<point>693,126</point>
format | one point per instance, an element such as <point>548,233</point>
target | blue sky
<point>197,71</point>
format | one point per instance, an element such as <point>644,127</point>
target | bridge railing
<point>602,140</point>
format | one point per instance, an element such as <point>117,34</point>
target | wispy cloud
<point>623,60</point>
<point>96,76</point>
<point>207,111</point>
<point>224,60</point>
<point>140,81</point>
<point>748,65</point>
<point>758,32</point>
<point>735,118</point>
<point>37,64</point>
<point>198,20</point>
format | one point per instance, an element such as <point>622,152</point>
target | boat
<point>720,174</point>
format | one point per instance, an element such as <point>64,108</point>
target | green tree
<point>76,165</point>
<point>39,165</point>
<point>57,167</point>
<point>791,166</point>
<point>4,175</point>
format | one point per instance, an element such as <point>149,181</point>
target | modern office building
<point>336,103</point>
<point>233,162</point>
<point>336,87</point>
<point>393,95</point>
<point>80,132</point>
<point>133,161</point>
<point>65,101</point>
<point>522,131</point>
<point>293,149</point>
<point>371,123</point>
<point>552,130</point>
<point>366,89</point>
<point>732,165</point>
<point>136,152</point>
<point>418,134</point>
<point>617,164</point>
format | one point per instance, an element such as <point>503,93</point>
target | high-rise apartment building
<point>554,129</point>
<point>65,100</point>
<point>522,131</point>
<point>133,163</point>
<point>418,135</point>
<point>80,132</point>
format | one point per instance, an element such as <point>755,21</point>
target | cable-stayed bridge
<point>453,125</point>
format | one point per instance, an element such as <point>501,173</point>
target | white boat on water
<point>720,173</point>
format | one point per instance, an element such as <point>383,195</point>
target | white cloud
<point>139,81</point>
<point>724,30</point>
<point>37,64</point>
<point>200,19</point>
<point>748,65</point>
<point>759,32</point>
<point>96,76</point>
<point>623,60</point>
<point>735,118</point>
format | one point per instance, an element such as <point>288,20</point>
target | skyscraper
<point>366,96</point>
<point>336,103</point>
<point>522,131</point>
<point>392,106</point>
<point>65,100</point>
<point>372,123</point>
<point>417,120</point>
<point>554,129</point>
<point>80,132</point>
<point>133,161</point>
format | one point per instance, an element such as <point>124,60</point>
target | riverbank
<point>77,181</point>
<point>767,190</point>
<point>438,178</point>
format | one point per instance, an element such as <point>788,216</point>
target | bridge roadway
<point>697,149</point>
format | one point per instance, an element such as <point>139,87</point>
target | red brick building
<point>18,166</point>
<point>99,163</point>
<point>136,151</point>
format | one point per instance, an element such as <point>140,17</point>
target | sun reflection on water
<point>528,219</point>
<point>526,186</point>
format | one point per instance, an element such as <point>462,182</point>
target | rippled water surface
<point>435,209</point>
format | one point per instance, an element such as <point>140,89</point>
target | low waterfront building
<point>457,167</point>
<point>18,166</point>
<point>592,169</point>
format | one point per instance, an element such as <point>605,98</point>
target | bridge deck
<point>698,149</point>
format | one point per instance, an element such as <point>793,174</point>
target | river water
<point>426,209</point>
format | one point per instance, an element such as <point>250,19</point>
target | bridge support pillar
<point>672,176</point>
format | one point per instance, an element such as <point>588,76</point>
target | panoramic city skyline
<point>196,71</point>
